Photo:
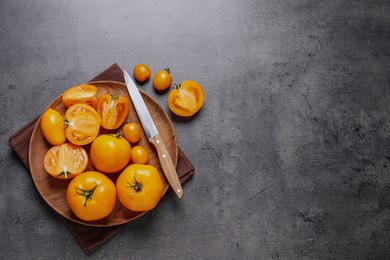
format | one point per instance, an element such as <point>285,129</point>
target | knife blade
<point>153,136</point>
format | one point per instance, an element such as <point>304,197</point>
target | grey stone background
<point>292,146</point>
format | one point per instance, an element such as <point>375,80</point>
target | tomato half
<point>139,155</point>
<point>141,72</point>
<point>110,153</point>
<point>186,99</point>
<point>65,161</point>
<point>132,132</point>
<point>162,80</point>
<point>80,94</point>
<point>139,187</point>
<point>53,127</point>
<point>91,196</point>
<point>113,110</point>
<point>83,124</point>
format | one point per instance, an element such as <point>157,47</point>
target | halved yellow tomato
<point>186,99</point>
<point>65,161</point>
<point>84,93</point>
<point>113,110</point>
<point>83,124</point>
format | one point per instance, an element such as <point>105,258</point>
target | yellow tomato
<point>53,127</point>
<point>65,161</point>
<point>139,155</point>
<point>139,187</point>
<point>113,110</point>
<point>80,94</point>
<point>141,72</point>
<point>132,132</point>
<point>83,124</point>
<point>186,99</point>
<point>162,80</point>
<point>110,153</point>
<point>91,196</point>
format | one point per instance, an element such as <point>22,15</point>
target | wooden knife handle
<point>167,165</point>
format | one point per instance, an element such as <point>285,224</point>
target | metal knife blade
<point>153,136</point>
<point>140,107</point>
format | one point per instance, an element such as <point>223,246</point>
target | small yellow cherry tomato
<point>132,132</point>
<point>53,127</point>
<point>139,155</point>
<point>141,72</point>
<point>162,80</point>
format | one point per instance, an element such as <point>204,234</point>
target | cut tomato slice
<point>84,93</point>
<point>83,124</point>
<point>186,99</point>
<point>65,161</point>
<point>113,110</point>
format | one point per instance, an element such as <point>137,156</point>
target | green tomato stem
<point>86,193</point>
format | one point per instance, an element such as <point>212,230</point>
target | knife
<point>153,136</point>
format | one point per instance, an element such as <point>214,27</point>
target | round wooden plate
<point>53,190</point>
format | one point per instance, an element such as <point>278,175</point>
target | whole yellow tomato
<point>139,187</point>
<point>162,80</point>
<point>53,127</point>
<point>110,153</point>
<point>91,196</point>
<point>141,72</point>
<point>132,132</point>
<point>139,155</point>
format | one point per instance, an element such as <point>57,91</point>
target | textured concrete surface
<point>292,147</point>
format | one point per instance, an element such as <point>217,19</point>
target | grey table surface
<point>292,146</point>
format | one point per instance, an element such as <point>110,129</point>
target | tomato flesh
<point>113,110</point>
<point>186,99</point>
<point>80,94</point>
<point>83,124</point>
<point>65,161</point>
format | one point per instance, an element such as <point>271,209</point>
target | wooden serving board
<point>53,190</point>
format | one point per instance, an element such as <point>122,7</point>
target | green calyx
<point>86,193</point>
<point>137,186</point>
<point>64,173</point>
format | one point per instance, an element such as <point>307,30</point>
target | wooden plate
<point>53,190</point>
